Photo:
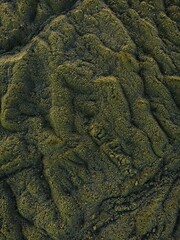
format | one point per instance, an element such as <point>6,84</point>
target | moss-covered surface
<point>89,120</point>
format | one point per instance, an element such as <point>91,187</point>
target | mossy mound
<point>89,120</point>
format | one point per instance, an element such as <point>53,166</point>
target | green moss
<point>89,133</point>
<point>27,10</point>
<point>10,228</point>
<point>148,39</point>
<point>60,5</point>
<point>173,83</point>
<point>17,92</point>
<point>22,19</point>
<point>119,5</point>
<point>174,13</point>
<point>169,28</point>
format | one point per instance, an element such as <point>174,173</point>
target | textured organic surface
<point>90,120</point>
